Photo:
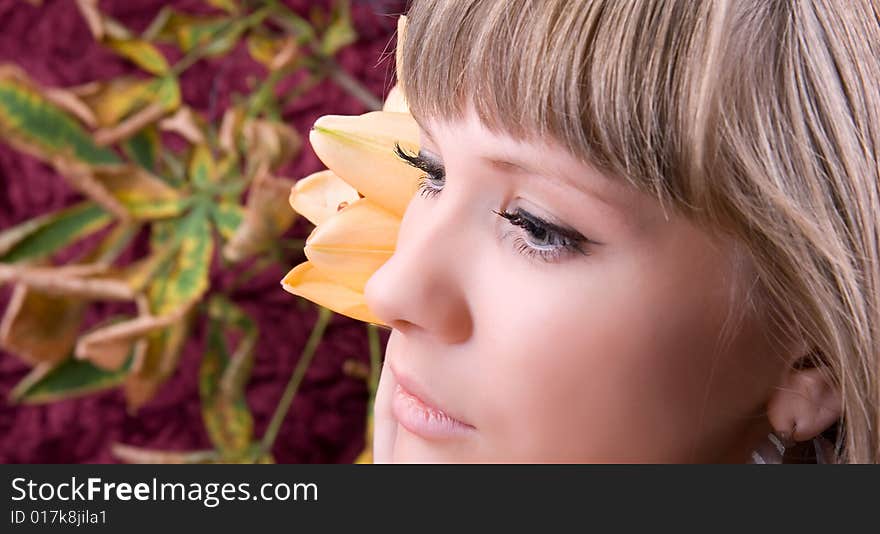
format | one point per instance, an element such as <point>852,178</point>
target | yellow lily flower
<point>356,205</point>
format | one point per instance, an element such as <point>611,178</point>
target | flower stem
<point>295,379</point>
<point>352,86</point>
<point>259,265</point>
<point>375,364</point>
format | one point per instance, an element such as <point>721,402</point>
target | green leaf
<point>146,209</point>
<point>225,412</point>
<point>161,232</point>
<point>113,243</point>
<point>143,148</point>
<point>184,279</point>
<point>31,123</point>
<point>225,41</point>
<point>222,309</point>
<point>199,33</point>
<point>227,217</point>
<point>142,194</point>
<point>212,35</point>
<point>141,53</point>
<point>295,25</point>
<point>339,34</point>
<point>202,167</point>
<point>119,97</point>
<point>72,378</point>
<point>44,235</point>
<point>168,92</point>
<point>230,6</point>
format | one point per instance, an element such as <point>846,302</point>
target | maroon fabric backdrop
<point>326,421</point>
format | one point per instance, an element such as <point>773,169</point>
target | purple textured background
<point>326,421</point>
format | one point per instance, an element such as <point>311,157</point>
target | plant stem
<point>265,95</point>
<point>375,364</point>
<point>256,268</point>
<point>299,372</point>
<point>350,84</point>
<point>199,51</point>
<point>307,85</point>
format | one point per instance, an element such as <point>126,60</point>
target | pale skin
<point>612,356</point>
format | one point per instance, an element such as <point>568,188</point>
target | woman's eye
<point>543,239</point>
<point>431,183</point>
<point>538,238</point>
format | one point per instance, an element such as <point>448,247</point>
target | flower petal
<point>318,196</point>
<point>322,288</point>
<point>360,150</point>
<point>354,243</point>
<point>396,101</point>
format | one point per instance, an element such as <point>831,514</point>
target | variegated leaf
<point>227,217</point>
<point>164,97</point>
<point>184,278</point>
<point>31,123</point>
<point>221,379</point>
<point>143,195</point>
<point>143,148</point>
<point>160,360</point>
<point>202,167</point>
<point>141,53</point>
<point>71,378</point>
<point>40,237</point>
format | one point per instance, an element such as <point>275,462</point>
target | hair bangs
<point>627,96</point>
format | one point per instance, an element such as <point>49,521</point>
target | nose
<point>420,289</point>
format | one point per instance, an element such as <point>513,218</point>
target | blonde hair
<point>759,117</point>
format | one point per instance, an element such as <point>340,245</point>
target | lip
<point>422,417</point>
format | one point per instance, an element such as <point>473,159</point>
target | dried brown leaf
<point>186,123</point>
<point>286,54</point>
<point>70,102</point>
<point>128,127</point>
<point>108,346</point>
<point>40,328</point>
<point>230,128</point>
<point>33,376</point>
<point>95,20</point>
<point>138,455</point>
<point>267,216</point>
<point>75,281</point>
<point>270,141</point>
<point>159,361</point>
<point>81,177</point>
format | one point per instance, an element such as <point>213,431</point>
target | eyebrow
<point>523,167</point>
<point>507,163</point>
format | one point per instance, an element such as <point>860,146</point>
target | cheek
<point>598,367</point>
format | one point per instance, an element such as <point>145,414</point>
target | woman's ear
<point>804,404</point>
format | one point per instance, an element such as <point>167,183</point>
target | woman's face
<point>513,342</point>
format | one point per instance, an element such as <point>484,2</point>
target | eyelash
<point>562,245</point>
